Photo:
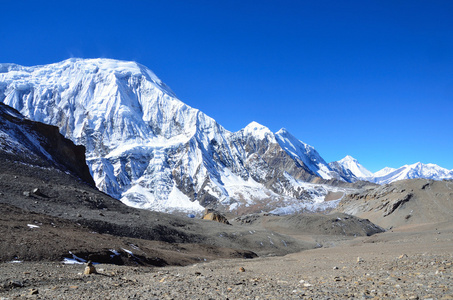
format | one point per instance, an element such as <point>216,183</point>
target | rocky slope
<point>405,202</point>
<point>147,148</point>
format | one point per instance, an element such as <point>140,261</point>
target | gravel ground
<point>408,263</point>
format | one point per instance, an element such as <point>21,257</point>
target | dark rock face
<point>40,144</point>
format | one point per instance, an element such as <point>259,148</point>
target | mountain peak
<point>283,132</point>
<point>355,167</point>
<point>348,158</point>
<point>257,130</point>
<point>416,170</point>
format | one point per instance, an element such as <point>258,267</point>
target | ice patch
<point>74,260</point>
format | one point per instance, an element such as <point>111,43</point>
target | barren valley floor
<point>405,263</point>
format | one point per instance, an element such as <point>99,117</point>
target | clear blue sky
<point>372,79</point>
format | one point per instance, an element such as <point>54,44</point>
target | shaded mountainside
<point>405,202</point>
<point>149,149</point>
<point>39,144</point>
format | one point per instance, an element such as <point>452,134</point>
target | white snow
<point>74,260</point>
<point>128,251</point>
<point>389,175</point>
<point>355,167</point>
<point>71,261</point>
<point>257,130</point>
<point>383,172</point>
<point>417,170</point>
<point>145,199</point>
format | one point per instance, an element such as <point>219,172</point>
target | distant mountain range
<point>355,171</point>
<point>150,150</point>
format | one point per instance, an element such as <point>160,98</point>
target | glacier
<point>150,150</point>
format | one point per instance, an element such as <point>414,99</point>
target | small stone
<point>89,269</point>
<point>335,268</point>
<point>359,259</point>
<point>402,256</point>
<point>33,292</point>
<point>16,284</point>
<point>37,192</point>
<point>241,269</point>
<point>26,194</point>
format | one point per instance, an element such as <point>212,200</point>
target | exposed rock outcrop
<point>40,144</point>
<point>215,216</point>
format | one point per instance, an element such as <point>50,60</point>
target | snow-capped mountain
<point>417,170</point>
<point>384,172</point>
<point>149,149</point>
<point>351,170</point>
<point>356,168</point>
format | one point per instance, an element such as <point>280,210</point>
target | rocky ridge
<point>404,202</point>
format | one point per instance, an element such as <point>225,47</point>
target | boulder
<point>215,216</point>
